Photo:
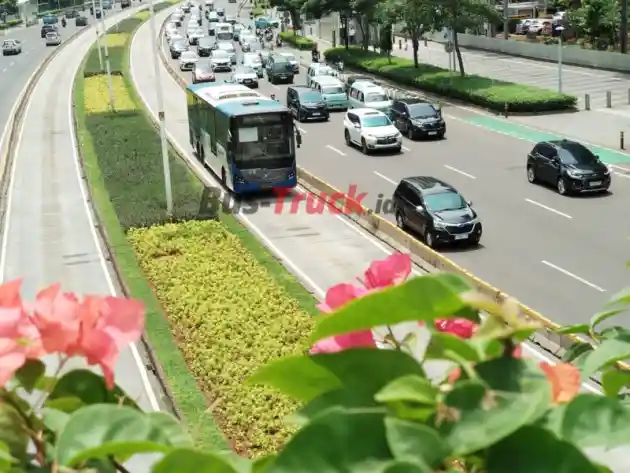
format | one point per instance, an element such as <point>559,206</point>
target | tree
<point>293,7</point>
<point>599,21</point>
<point>459,15</point>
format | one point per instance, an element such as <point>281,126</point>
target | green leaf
<point>601,317</point>
<point>54,420</point>
<point>406,467</point>
<point>442,344</point>
<point>352,442</point>
<point>590,420</point>
<point>576,350</point>
<point>6,460</point>
<point>416,443</point>
<point>261,465</point>
<point>90,388</point>
<point>102,430</point>
<point>607,353</point>
<point>410,388</point>
<point>30,373</point>
<point>346,398</point>
<point>621,298</point>
<point>65,404</point>
<point>425,298</point>
<point>13,432</point>
<point>307,377</point>
<point>520,394</point>
<point>533,449</point>
<point>613,380</point>
<point>188,461</point>
<point>574,329</point>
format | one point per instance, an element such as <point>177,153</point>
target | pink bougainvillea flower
<point>463,328</point>
<point>360,339</point>
<point>108,324</point>
<point>564,379</point>
<point>12,357</point>
<point>339,295</point>
<point>56,316</point>
<point>392,270</point>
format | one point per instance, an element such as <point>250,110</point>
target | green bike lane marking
<point>608,156</point>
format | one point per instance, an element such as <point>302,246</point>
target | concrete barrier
<point>546,337</point>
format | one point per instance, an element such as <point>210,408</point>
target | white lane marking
<point>382,176</point>
<point>550,209</point>
<point>332,148</point>
<point>4,70</point>
<point>320,294</point>
<point>404,148</point>
<point>621,175</point>
<point>302,130</point>
<point>274,86</point>
<point>12,64</point>
<point>574,276</point>
<point>459,171</point>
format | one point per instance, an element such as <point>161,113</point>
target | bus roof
<point>234,99</point>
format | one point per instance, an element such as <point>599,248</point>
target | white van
<point>224,32</point>
<point>364,94</point>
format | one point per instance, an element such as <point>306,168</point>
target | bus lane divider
<point>546,338</point>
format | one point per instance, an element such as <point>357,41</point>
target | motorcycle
<point>315,56</point>
<point>63,22</point>
<point>278,42</point>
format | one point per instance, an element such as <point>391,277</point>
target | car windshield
<point>226,47</point>
<point>376,97</point>
<point>374,121</point>
<point>245,70</point>
<point>332,89</point>
<point>205,42</point>
<point>442,201</point>
<point>203,66</point>
<point>8,42</point>
<point>253,59</point>
<point>220,54</point>
<point>180,43</point>
<point>421,110</point>
<point>224,36</point>
<point>289,57</point>
<point>311,96</point>
<point>574,153</point>
<point>325,71</point>
<point>189,55</point>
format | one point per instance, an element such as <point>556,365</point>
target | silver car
<point>53,39</point>
<point>251,45</point>
<point>253,60</point>
<point>11,46</point>
<point>220,61</point>
<point>187,60</point>
<point>228,47</point>
<point>246,75</point>
<point>194,34</point>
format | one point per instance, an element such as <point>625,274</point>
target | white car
<point>175,37</point>
<point>177,18</point>
<point>246,36</point>
<point>293,61</point>
<point>11,46</point>
<point>194,35</point>
<point>247,76</point>
<point>228,47</point>
<point>371,130</point>
<point>220,61</point>
<point>253,60</point>
<point>187,60</point>
<point>53,39</point>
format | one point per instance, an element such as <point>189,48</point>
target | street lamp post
<point>168,190</point>
<point>110,86</point>
<point>560,29</point>
<point>98,37</point>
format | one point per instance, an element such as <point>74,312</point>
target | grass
<point>120,182</point>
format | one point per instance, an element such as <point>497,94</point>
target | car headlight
<point>607,172</point>
<point>438,224</point>
<point>575,174</point>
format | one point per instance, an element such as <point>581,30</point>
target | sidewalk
<point>599,126</point>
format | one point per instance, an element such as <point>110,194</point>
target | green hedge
<point>297,41</point>
<point>10,24</point>
<point>488,93</point>
<point>256,12</point>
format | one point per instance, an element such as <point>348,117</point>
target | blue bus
<point>247,140</point>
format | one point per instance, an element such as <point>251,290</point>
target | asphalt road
<point>49,230</point>
<point>506,252</point>
<point>562,256</point>
<point>575,80</point>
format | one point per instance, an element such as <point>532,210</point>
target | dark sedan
<point>568,166</point>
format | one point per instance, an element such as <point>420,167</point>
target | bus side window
<point>210,126</point>
<point>361,97</point>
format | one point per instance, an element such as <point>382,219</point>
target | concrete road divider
<point>547,337</point>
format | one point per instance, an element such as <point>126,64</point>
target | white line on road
<point>621,175</point>
<point>404,148</point>
<point>469,176</point>
<point>302,130</point>
<point>574,276</point>
<point>274,86</point>
<point>550,209</point>
<point>335,150</point>
<point>12,64</point>
<point>391,181</point>
<point>4,70</point>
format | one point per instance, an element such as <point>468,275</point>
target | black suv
<point>125,3</point>
<point>205,46</point>
<point>279,69</point>
<point>48,29</point>
<point>81,21</point>
<point>178,47</point>
<point>436,211</point>
<point>417,118</point>
<point>306,103</point>
<point>568,166</point>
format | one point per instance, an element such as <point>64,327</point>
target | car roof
<point>560,143</point>
<point>302,88</point>
<point>323,80</point>
<point>363,112</point>
<point>428,184</point>
<point>412,100</point>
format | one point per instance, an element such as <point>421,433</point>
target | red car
<point>202,72</point>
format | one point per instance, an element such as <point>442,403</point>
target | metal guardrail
<point>546,337</point>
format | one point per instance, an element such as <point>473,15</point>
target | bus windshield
<point>263,140</point>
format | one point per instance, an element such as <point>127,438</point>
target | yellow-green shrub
<point>229,316</point>
<point>97,95</point>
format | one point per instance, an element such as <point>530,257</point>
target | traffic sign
<point>448,47</point>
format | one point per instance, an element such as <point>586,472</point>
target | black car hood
<point>589,168</point>
<point>455,216</point>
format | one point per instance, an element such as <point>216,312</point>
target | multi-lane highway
<point>562,256</point>
<point>49,232</point>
